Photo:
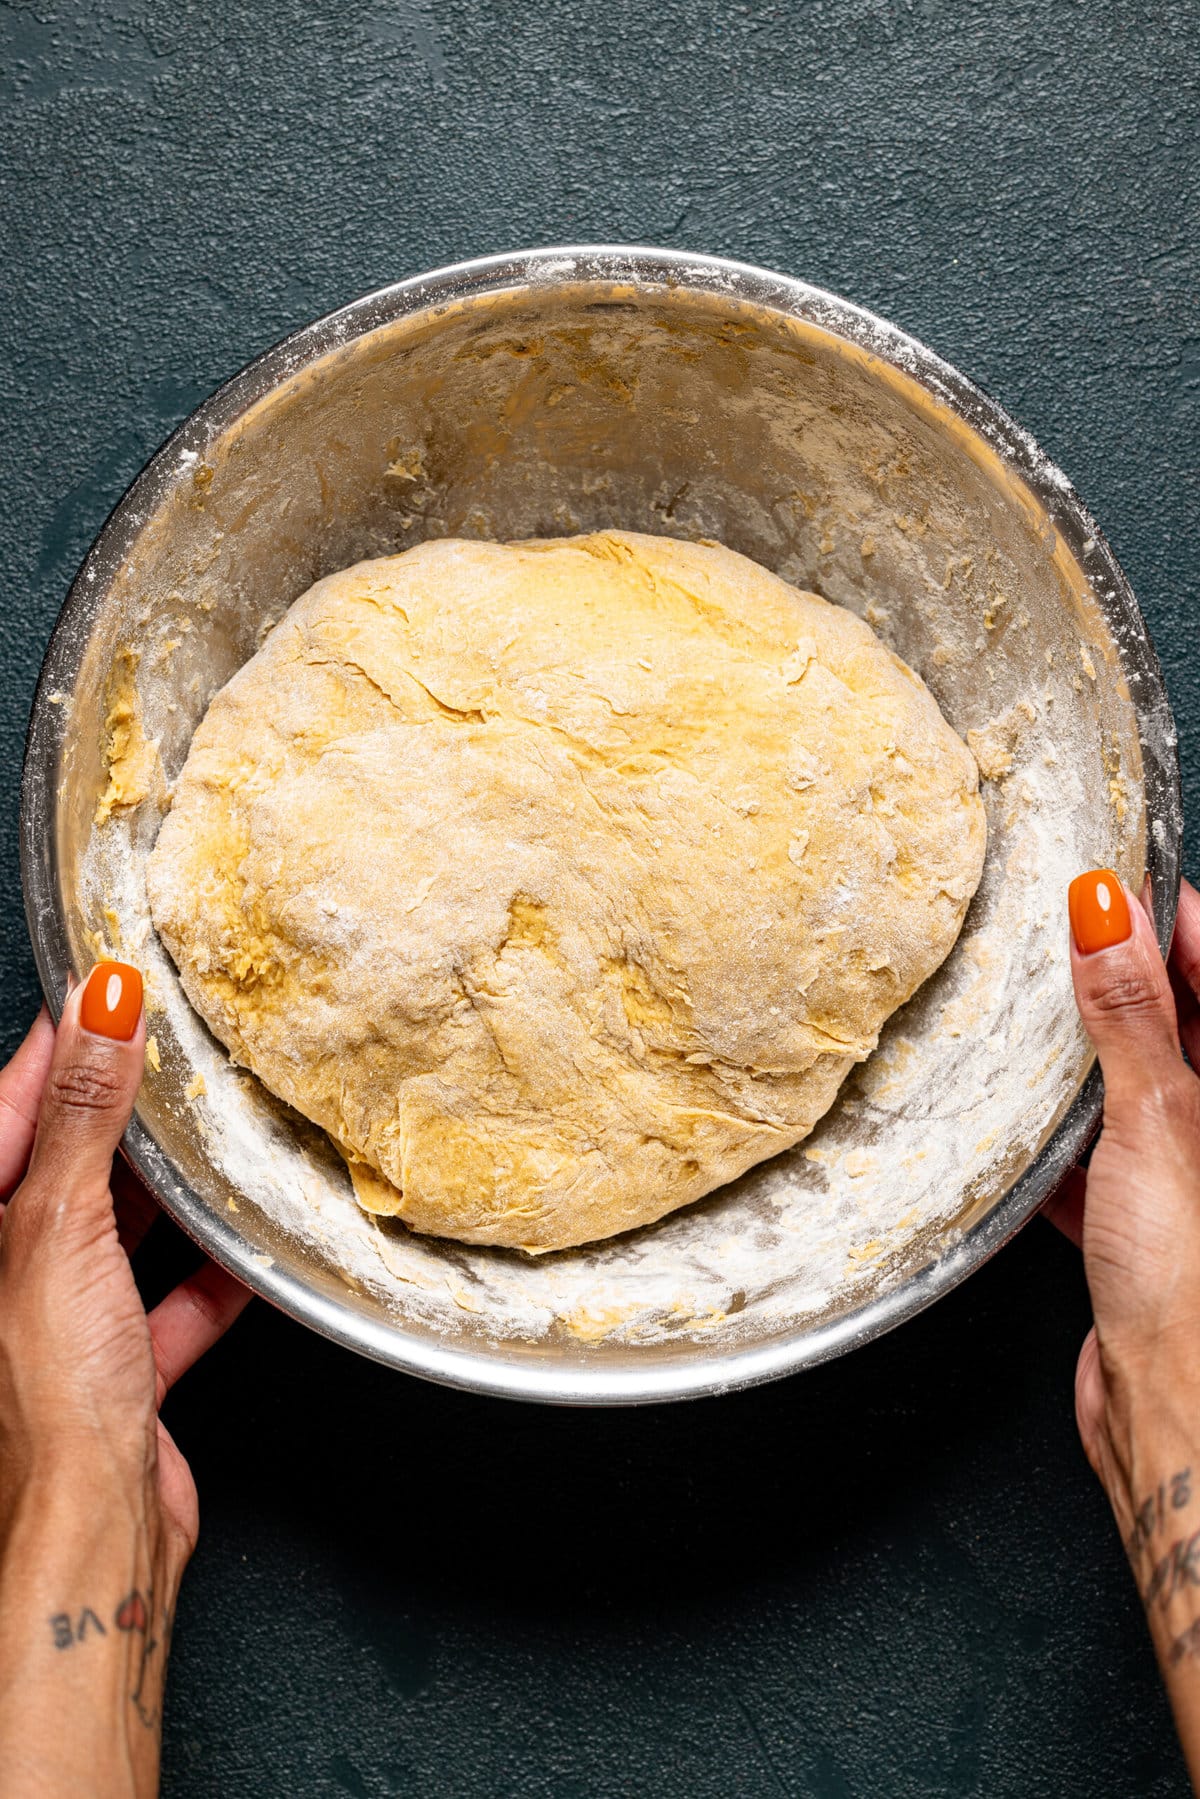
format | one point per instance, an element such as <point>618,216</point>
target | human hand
<point>98,1511</point>
<point>1136,1213</point>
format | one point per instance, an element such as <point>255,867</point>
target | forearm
<point>1153,1484</point>
<point>86,1602</point>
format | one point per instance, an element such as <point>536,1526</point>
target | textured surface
<point>894,1576</point>
<point>708,833</point>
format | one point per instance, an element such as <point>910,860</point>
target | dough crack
<point>463,714</point>
<point>349,662</point>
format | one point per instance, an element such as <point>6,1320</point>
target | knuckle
<point>1151,1103</point>
<point>83,1087</point>
<point>1131,995</point>
<point>1160,1107</point>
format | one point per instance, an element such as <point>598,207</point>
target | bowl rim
<point>485,1371</point>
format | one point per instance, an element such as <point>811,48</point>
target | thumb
<point>1123,991</point>
<point>94,1077</point>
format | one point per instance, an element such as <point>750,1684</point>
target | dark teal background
<point>891,1577</point>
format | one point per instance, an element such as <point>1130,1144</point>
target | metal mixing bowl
<point>561,391</point>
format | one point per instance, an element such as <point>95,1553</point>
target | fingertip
<point>99,1024</point>
<point>1099,911</point>
<point>110,1002</point>
<point>21,1086</point>
<point>39,1040</point>
<point>92,1082</point>
<point>1186,945</point>
<point>1124,923</point>
<point>1121,984</point>
<point>191,1318</point>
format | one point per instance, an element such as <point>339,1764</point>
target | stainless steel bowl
<point>558,391</point>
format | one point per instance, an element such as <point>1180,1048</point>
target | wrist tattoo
<point>1177,1569</point>
<point>1187,1644</point>
<point>133,1616</point>
<point>1169,1496</point>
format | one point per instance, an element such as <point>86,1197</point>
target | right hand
<point>1137,1209</point>
<point>1137,1214</point>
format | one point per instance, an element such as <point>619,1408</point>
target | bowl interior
<point>691,403</point>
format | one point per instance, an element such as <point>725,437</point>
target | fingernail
<point>112,1001</point>
<point>1099,911</point>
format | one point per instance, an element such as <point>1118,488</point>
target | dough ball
<point>562,881</point>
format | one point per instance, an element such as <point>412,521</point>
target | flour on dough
<point>562,881</point>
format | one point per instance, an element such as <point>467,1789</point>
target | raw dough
<point>129,756</point>
<point>562,881</point>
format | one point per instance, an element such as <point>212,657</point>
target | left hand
<point>98,1509</point>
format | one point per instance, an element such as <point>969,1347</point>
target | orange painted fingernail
<point>1099,911</point>
<point>112,1001</point>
